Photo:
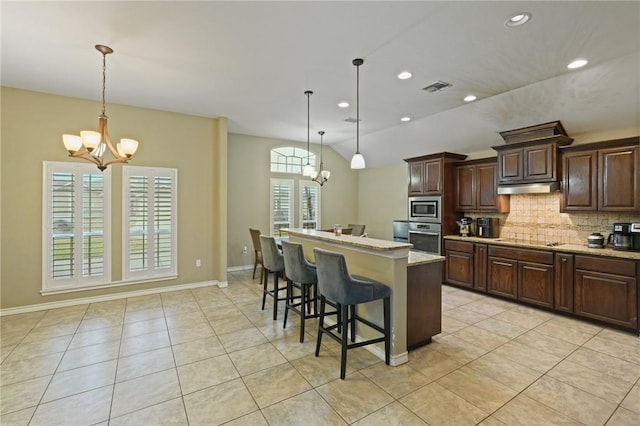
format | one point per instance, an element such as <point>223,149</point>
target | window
<point>281,206</point>
<point>290,159</point>
<point>309,205</point>
<point>149,222</point>
<point>76,219</point>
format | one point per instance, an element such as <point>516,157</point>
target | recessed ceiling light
<point>343,104</point>
<point>578,63</point>
<point>405,119</point>
<point>518,19</point>
<point>470,98</point>
<point>404,75</point>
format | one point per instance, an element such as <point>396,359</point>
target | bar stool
<point>273,263</point>
<point>336,285</point>
<point>301,275</point>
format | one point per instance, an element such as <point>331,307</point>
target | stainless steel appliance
<point>464,225</point>
<point>486,226</point>
<point>595,240</point>
<point>425,237</point>
<point>425,209</point>
<point>621,238</point>
<point>635,234</point>
<point>401,231</point>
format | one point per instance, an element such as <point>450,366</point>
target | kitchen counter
<point>420,258</point>
<point>361,242</point>
<point>564,248</point>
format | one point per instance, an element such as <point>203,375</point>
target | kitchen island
<point>387,262</point>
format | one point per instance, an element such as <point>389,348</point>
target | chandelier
<point>307,170</point>
<point>92,146</point>
<point>357,161</point>
<point>321,176</point>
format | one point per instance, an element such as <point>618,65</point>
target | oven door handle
<point>435,234</point>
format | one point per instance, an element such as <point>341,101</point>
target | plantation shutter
<point>309,205</point>
<point>281,206</point>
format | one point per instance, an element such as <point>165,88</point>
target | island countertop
<point>420,258</point>
<point>362,242</point>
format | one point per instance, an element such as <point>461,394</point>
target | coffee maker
<point>465,226</point>
<point>486,226</point>
<point>635,235</point>
<point>621,238</point>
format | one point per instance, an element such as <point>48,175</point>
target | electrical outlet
<point>198,263</point>
<point>244,249</point>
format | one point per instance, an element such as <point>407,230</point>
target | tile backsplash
<point>537,219</point>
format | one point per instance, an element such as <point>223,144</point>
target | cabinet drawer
<point>526,255</point>
<point>462,246</point>
<point>606,265</point>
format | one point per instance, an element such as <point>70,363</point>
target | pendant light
<point>307,170</point>
<point>357,162</point>
<point>92,146</point>
<point>321,176</point>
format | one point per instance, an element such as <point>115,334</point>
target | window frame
<point>151,272</point>
<point>292,164</point>
<point>77,281</point>
<point>302,184</point>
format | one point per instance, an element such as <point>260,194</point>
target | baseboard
<point>239,268</point>
<point>106,297</point>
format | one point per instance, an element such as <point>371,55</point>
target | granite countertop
<point>564,248</point>
<point>364,242</point>
<point>420,258</point>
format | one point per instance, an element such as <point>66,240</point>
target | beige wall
<point>382,198</point>
<point>248,191</point>
<point>32,125</point>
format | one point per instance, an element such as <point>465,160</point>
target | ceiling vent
<point>437,86</point>
<point>351,120</point>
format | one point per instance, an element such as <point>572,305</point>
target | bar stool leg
<point>264,287</point>
<point>345,328</point>
<point>320,324</point>
<point>353,323</point>
<point>275,295</point>
<point>303,290</point>
<point>287,301</point>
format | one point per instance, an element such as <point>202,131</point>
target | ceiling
<point>252,61</point>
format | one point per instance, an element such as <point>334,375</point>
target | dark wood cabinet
<point>428,174</point>
<point>424,303</point>
<point>618,180</point>
<point>606,290</point>
<point>563,283</point>
<point>530,161</point>
<point>522,274</point>
<point>459,265</point>
<point>603,176</point>
<point>480,267</point>
<point>535,283</point>
<point>579,181</point>
<point>502,277</point>
<point>476,187</point>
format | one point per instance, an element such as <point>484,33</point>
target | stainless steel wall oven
<point>425,237</point>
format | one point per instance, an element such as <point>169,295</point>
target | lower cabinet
<point>597,287</point>
<point>606,290</point>
<point>424,303</point>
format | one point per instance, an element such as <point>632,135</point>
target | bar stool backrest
<point>297,267</point>
<point>271,257</point>
<point>333,276</point>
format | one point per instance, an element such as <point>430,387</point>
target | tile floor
<point>210,356</point>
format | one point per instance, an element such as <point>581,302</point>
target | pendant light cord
<point>358,109</point>
<point>104,81</point>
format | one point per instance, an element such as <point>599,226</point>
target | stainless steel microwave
<point>425,209</point>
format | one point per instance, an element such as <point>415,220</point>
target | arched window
<point>290,159</point>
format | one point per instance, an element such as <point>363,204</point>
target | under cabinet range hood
<point>529,161</point>
<point>529,188</point>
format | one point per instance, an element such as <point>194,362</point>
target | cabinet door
<point>539,162</point>
<point>606,297</point>
<point>619,188</point>
<point>502,277</point>
<point>416,174</point>
<point>465,188</point>
<point>432,180</point>
<point>563,283</point>
<point>480,267</point>
<point>510,165</point>
<point>579,181</point>
<point>535,283</point>
<point>459,268</point>
<point>486,187</point>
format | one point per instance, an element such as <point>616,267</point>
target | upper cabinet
<point>428,173</point>
<point>530,154</point>
<point>602,177</point>
<point>476,187</point>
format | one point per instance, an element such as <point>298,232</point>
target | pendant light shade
<point>307,170</point>
<point>321,176</point>
<point>357,161</point>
